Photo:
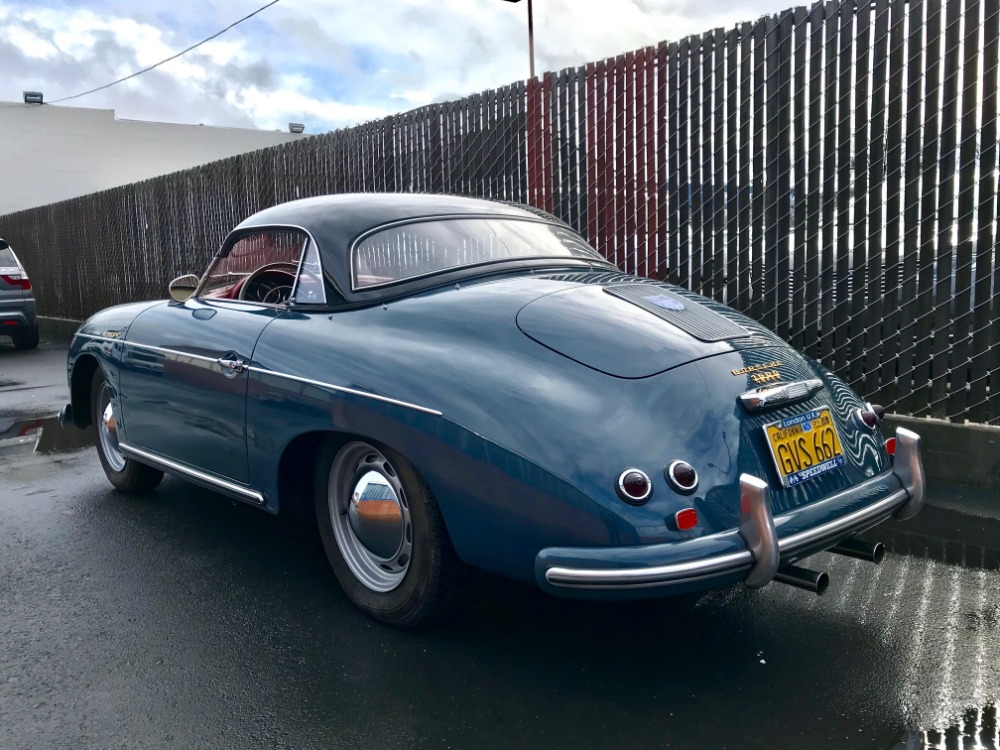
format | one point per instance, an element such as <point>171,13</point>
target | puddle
<point>40,435</point>
<point>977,729</point>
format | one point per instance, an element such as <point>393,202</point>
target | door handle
<point>236,366</point>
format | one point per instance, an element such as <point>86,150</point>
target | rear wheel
<point>383,534</point>
<point>27,339</point>
<point>126,474</point>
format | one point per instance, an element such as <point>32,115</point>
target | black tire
<point>426,589</point>
<point>132,478</point>
<point>26,340</point>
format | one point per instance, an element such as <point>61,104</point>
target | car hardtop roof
<point>335,220</point>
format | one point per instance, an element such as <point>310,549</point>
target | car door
<point>183,378</point>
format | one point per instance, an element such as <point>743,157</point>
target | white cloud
<point>317,61</point>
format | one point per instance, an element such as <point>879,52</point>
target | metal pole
<point>531,39</point>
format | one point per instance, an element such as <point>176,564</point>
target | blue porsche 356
<point>447,380</point>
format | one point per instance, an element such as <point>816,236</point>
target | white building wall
<point>51,153</point>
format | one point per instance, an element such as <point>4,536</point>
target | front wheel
<point>383,534</point>
<point>126,474</point>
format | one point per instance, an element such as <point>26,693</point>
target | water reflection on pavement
<point>183,619</point>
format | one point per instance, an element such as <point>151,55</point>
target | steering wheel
<point>271,284</point>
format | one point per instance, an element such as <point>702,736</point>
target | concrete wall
<point>51,153</point>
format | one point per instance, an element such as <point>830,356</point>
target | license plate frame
<point>790,462</point>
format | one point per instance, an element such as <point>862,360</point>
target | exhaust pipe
<point>862,549</point>
<point>810,580</point>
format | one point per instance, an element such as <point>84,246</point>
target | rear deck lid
<point>634,330</point>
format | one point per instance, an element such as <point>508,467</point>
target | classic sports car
<point>445,379</point>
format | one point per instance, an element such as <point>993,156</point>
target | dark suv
<point>17,304</point>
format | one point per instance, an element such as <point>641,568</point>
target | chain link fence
<point>831,171</point>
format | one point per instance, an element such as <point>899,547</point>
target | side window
<point>258,267</point>
<point>310,289</point>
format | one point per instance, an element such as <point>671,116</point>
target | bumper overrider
<point>755,551</point>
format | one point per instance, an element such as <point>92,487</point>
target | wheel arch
<point>79,389</point>
<point>297,464</point>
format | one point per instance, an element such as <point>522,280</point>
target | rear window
<point>7,259</point>
<point>423,248</point>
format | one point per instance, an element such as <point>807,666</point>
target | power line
<point>172,57</point>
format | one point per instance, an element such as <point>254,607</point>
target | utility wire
<point>172,57</point>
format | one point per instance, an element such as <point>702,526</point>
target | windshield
<point>427,247</point>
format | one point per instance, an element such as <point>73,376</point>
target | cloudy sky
<point>327,63</point>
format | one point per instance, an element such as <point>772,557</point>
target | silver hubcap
<point>107,429</point>
<point>370,515</point>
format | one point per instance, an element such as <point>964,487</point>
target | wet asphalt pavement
<point>185,620</point>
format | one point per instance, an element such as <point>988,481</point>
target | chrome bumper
<point>762,556</point>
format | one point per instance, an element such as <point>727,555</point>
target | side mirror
<point>183,287</point>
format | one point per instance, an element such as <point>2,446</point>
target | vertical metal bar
<point>676,124</point>
<point>912,173</point>
<point>875,260</point>
<point>812,245</point>
<point>763,31</point>
<point>986,317</point>
<point>734,134</point>
<point>799,121</point>
<point>885,350</point>
<point>698,144</point>
<point>945,269</point>
<point>855,349</point>
<point>845,62</point>
<point>662,168</point>
<point>744,296</point>
<point>717,269</point>
<point>592,174</point>
<point>928,213</point>
<point>962,299</point>
<point>777,195</point>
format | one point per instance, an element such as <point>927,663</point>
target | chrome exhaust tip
<point>862,549</point>
<point>803,578</point>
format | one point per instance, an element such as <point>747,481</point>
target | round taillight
<point>634,486</point>
<point>890,446</point>
<point>867,417</point>
<point>682,476</point>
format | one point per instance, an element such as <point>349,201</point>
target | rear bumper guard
<point>762,556</point>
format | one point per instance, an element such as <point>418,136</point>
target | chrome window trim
<point>162,462</point>
<point>454,217</point>
<point>265,371</point>
<point>238,234</point>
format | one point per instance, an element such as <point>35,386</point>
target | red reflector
<point>890,446</point>
<point>686,519</point>
<point>10,322</point>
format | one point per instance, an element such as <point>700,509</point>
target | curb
<point>57,330</point>
<point>964,453</point>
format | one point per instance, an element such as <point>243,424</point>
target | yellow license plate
<point>804,446</point>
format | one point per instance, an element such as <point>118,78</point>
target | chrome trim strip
<point>167,464</point>
<point>149,347</point>
<point>344,389</point>
<point>845,524</point>
<point>265,371</point>
<point>618,578</point>
<point>779,395</point>
<point>626,578</point>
